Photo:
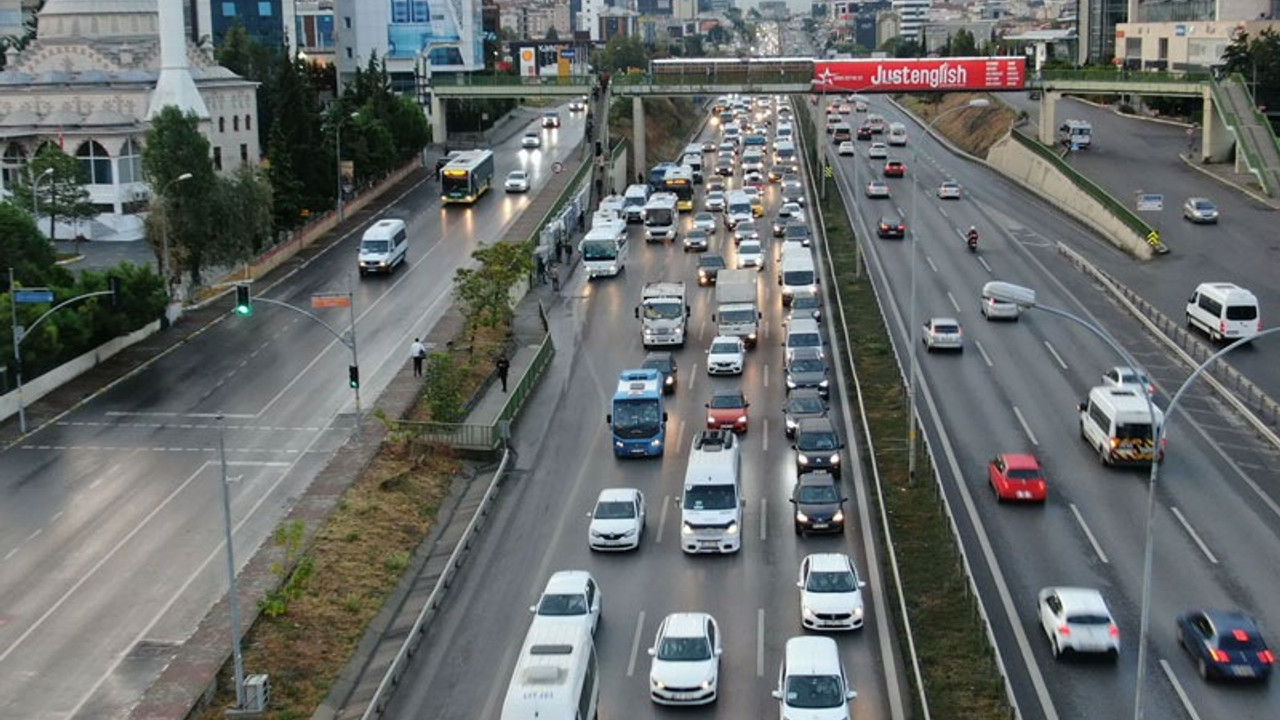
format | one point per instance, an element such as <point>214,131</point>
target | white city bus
<point>556,677</point>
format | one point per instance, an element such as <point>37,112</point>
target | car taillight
<point>1266,656</point>
<point>1115,443</point>
<point>1113,631</point>
<point>1064,630</point>
<point>1218,656</point>
<point>1222,326</point>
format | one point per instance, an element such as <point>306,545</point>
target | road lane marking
<point>662,517</point>
<point>635,645</point>
<point>33,535</point>
<point>766,374</point>
<point>1089,534</point>
<point>929,260</point>
<point>954,304</point>
<point>1177,687</point>
<point>764,526</point>
<point>983,351</point>
<point>693,376</point>
<point>1194,536</point>
<point>987,267</point>
<point>1055,355</point>
<point>11,553</point>
<point>760,642</point>
<point>764,441</point>
<point>236,416</point>
<point>1025,426</point>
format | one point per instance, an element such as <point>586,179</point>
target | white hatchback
<point>1077,620</point>
<point>570,596</point>
<point>878,150</point>
<point>830,592</point>
<point>685,669</point>
<point>617,522</point>
<point>750,254</point>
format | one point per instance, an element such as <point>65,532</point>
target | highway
<point>541,523</point>
<point>111,530</point>
<point>1014,389</point>
<point>1129,155</point>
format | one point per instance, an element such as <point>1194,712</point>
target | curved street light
<point>166,271</point>
<point>35,193</point>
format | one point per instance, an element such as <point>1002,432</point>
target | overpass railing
<point>723,77</point>
<point>1119,75</point>
<point>440,79</point>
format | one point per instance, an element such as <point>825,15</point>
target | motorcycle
<point>972,240</point>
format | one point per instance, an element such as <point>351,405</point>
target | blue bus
<point>638,420</point>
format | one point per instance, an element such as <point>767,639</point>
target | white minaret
<point>175,86</point>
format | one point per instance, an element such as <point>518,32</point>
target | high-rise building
<point>412,36</point>
<point>264,20</point>
<point>913,14</point>
<point>1096,27</point>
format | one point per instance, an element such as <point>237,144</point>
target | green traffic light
<point>244,306</point>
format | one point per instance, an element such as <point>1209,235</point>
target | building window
<point>264,9</point>
<point>15,161</point>
<point>346,22</point>
<point>248,122</point>
<point>222,125</point>
<point>130,163</point>
<point>228,9</point>
<point>96,163</point>
<point>349,55</point>
<point>244,153</point>
<point>217,159</point>
<point>235,123</point>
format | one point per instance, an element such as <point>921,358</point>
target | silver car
<point>704,221</point>
<point>1200,210</point>
<point>942,333</point>
<point>714,201</point>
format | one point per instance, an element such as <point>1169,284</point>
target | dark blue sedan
<point>1225,644</point>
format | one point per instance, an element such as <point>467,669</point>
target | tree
<point>60,193</point>
<point>553,34</point>
<point>485,291</point>
<point>623,52</point>
<point>962,44</point>
<point>32,257</point>
<point>1257,59</point>
<point>174,146</point>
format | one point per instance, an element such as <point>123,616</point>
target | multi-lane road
<point>1014,389</point>
<point>110,531</point>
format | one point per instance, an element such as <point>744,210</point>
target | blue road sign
<point>33,295</point>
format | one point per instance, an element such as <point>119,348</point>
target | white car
<point>617,522</point>
<point>878,150</point>
<point>830,592</point>
<point>570,596</point>
<point>714,202</point>
<point>846,148</point>
<point>531,141</point>
<point>685,669</point>
<point>726,356</point>
<point>705,221</point>
<point>949,190</point>
<point>750,254</point>
<point>517,181</point>
<point>1077,619</point>
<point>1122,377</point>
<point>877,189</point>
<point>942,333</point>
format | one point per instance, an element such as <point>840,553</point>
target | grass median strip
<point>960,674</point>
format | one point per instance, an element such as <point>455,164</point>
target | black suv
<point>664,363</point>
<point>709,266</point>
<point>817,446</point>
<point>819,506</point>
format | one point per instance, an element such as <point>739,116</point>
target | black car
<point>891,227</point>
<point>817,446</point>
<point>664,363</point>
<point>802,404</point>
<point>1226,645</point>
<point>819,506</point>
<point>864,132</point>
<point>709,266</point>
<point>807,369</point>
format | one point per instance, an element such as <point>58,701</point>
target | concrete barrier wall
<point>1013,160</point>
<point>46,383</point>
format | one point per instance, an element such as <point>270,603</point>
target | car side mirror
<point>791,500</point>
<point>608,419</point>
<point>653,651</point>
<point>688,311</point>
<point>533,608</point>
<point>851,694</point>
<point>1081,406</point>
<point>713,318</point>
<point>840,446</point>
<point>719,651</point>
<point>637,313</point>
<point>664,416</point>
<point>862,583</point>
<point>793,446</point>
<point>844,499</point>
<point>777,694</point>
<point>706,405</point>
<point>800,585</point>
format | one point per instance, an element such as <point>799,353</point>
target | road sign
<point>828,171</point>
<point>33,295</point>
<point>568,53</point>
<point>1150,202</point>
<point>330,300</point>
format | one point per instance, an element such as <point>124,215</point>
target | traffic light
<point>113,285</point>
<point>244,306</point>
<point>353,376</point>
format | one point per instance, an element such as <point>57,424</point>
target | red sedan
<point>895,168</point>
<point>727,410</point>
<point>1017,477</point>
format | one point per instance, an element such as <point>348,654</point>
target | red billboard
<point>919,75</point>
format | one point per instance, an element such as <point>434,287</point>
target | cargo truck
<point>737,311</point>
<point>662,313</point>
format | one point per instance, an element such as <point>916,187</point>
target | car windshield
<point>1204,205</point>
<point>684,649</point>
<point>806,302</point>
<point>599,249</point>
<point>696,234</point>
<point>1242,312</point>
<point>818,494</point>
<point>807,365</point>
<point>814,691</point>
<point>1133,431</point>
<point>516,175</point>
<point>1022,474</point>
<point>945,329</point>
<point>703,218</point>
<point>662,311</point>
<point>562,605</point>
<point>746,228</point>
<point>1129,377</point>
<point>816,441</point>
<point>662,366</point>
<point>375,246</point>
<point>803,339</point>
<point>724,348</point>
<point>636,417</point>
<point>711,261</point>
<point>726,401</point>
<point>831,582</point>
<point>615,510</point>
<point>797,231</point>
<point>1240,640</point>
<point>744,315</point>
<point>801,404</point>
<point>797,277</point>
<point>710,497</point>
<point>749,248</point>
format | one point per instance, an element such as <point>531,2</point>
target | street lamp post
<point>167,269</point>
<point>233,595</point>
<point>35,195</point>
<point>337,146</point>
<point>911,306</point>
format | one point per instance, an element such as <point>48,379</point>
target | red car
<point>727,410</point>
<point>1017,477</point>
<point>895,168</point>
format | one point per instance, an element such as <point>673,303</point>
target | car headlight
<point>838,517</point>
<point>791,383</point>
<point>801,517</point>
<point>706,684</point>
<point>808,611</point>
<point>823,384</point>
<point>834,459</point>
<point>657,442</point>
<point>629,533</point>
<point>742,419</point>
<point>857,612</point>
<point>618,443</point>
<point>671,380</point>
<point>803,459</point>
<point>711,419</point>
<point>732,529</point>
<point>686,529</point>
<point>792,424</point>
<point>658,684</point>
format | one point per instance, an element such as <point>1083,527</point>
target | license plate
<point>1242,671</point>
<point>819,526</point>
<point>708,544</point>
<point>1023,495</point>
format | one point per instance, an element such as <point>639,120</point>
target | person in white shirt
<point>417,351</point>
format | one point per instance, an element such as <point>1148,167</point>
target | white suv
<point>1077,619</point>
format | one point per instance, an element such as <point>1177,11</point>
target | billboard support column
<point>1048,107</point>
<point>637,125</point>
<point>439,128</point>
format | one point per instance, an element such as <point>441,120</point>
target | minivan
<point>812,681</point>
<point>803,333</point>
<point>897,134</point>
<point>1116,423</point>
<point>1225,311</point>
<point>797,273</point>
<point>384,246</point>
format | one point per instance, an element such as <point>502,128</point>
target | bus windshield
<point>456,182</point>
<point>599,250</point>
<point>636,417</point>
<point>658,216</point>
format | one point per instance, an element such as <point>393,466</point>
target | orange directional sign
<point>330,300</point>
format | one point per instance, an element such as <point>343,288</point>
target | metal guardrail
<point>1235,125</point>
<point>1256,163</point>
<point>383,695</point>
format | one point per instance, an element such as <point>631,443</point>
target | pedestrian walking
<point>418,352</point>
<point>555,278</point>
<point>541,266</point>
<point>503,366</point>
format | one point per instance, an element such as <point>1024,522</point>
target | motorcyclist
<point>972,236</point>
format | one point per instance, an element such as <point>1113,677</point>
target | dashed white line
<point>1177,687</point>
<point>983,351</point>
<point>662,517</point>
<point>760,642</point>
<point>1194,536</point>
<point>931,265</point>
<point>764,441</point>
<point>1025,426</point>
<point>1048,346</point>
<point>693,375</point>
<point>34,535</point>
<point>764,514</point>
<point>766,374</point>
<point>954,304</point>
<point>983,261</point>
<point>1089,534</point>
<point>95,483</point>
<point>56,516</point>
<point>635,645</point>
<point>11,553</point>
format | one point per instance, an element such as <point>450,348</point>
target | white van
<point>738,209</point>
<point>711,509</point>
<point>1116,422</point>
<point>633,201</point>
<point>897,134</point>
<point>812,682</point>
<point>383,246</point>
<point>797,273</point>
<point>784,152</point>
<point>556,675</point>
<point>1225,311</point>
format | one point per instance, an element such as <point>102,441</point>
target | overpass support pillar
<point>637,125</point>
<point>439,129</point>
<point>1215,139</point>
<point>1048,109</point>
